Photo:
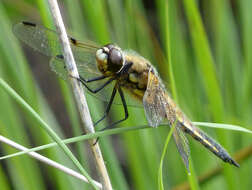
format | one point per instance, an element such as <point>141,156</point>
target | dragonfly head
<point>110,59</point>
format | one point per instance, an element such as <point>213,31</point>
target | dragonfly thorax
<point>110,59</point>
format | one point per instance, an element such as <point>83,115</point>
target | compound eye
<point>115,57</point>
<point>110,46</point>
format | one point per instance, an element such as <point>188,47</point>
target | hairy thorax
<point>135,81</point>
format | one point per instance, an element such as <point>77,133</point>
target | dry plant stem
<point>47,161</point>
<point>78,93</point>
<point>239,157</point>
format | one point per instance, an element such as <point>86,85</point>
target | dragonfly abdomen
<point>209,143</point>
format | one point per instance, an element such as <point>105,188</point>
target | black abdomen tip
<point>234,163</point>
<point>29,23</point>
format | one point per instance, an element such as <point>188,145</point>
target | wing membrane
<point>158,107</point>
<point>182,144</point>
<point>153,100</point>
<point>46,42</point>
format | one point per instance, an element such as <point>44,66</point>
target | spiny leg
<point>108,106</point>
<point>83,81</point>
<point>124,70</point>
<point>126,113</point>
<point>92,79</point>
<point>95,79</point>
<point>107,110</point>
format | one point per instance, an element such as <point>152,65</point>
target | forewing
<point>85,62</point>
<point>153,100</point>
<point>39,38</point>
<point>158,106</point>
<point>46,40</point>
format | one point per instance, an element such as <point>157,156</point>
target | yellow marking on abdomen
<point>213,147</point>
<point>205,141</point>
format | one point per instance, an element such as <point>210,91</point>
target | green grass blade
<point>192,177</point>
<point>4,184</point>
<point>206,65</point>
<point>160,170</point>
<point>204,59</point>
<point>123,130</point>
<point>246,29</point>
<point>227,55</point>
<point>44,125</point>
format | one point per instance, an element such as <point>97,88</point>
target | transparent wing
<point>182,144</point>
<point>46,42</point>
<point>175,116</point>
<point>158,106</point>
<point>86,67</point>
<point>153,100</point>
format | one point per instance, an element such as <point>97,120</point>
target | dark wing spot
<point>60,56</point>
<point>29,23</point>
<point>74,41</point>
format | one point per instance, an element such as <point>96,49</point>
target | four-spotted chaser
<point>99,66</point>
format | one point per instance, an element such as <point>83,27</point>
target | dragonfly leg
<point>108,108</point>
<point>99,88</point>
<point>93,79</point>
<point>126,113</point>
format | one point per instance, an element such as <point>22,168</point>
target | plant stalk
<point>79,94</point>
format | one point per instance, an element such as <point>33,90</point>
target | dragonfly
<point>129,79</point>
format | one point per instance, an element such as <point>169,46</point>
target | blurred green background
<point>202,49</point>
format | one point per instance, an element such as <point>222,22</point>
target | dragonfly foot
<point>96,141</point>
